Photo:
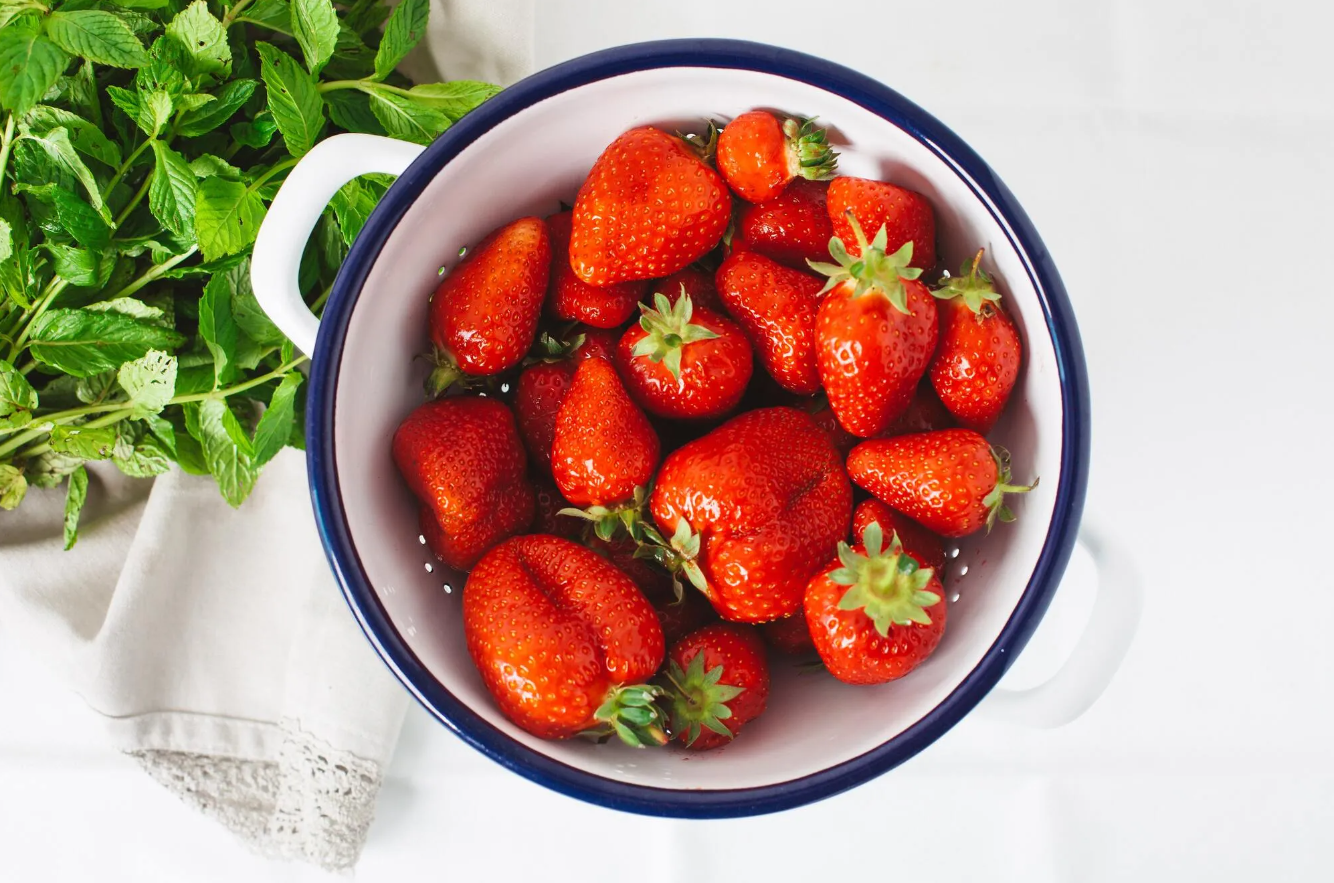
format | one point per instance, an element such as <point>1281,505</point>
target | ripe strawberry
<point>875,613</point>
<point>777,306</point>
<point>842,440</point>
<point>679,612</point>
<point>484,314</point>
<point>719,682</point>
<point>977,362</point>
<point>463,459</point>
<point>922,544</point>
<point>759,155</point>
<point>538,394</point>
<point>604,446</point>
<point>558,633</point>
<point>680,617</point>
<point>952,481</point>
<point>925,413</point>
<point>572,298</point>
<point>598,343</point>
<point>905,215</point>
<point>694,281</point>
<point>753,509</point>
<point>789,635</point>
<point>547,518</point>
<point>874,334</point>
<point>792,228</point>
<point>684,363</point>
<point>650,206</point>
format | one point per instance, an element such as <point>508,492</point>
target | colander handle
<point>293,215</point>
<point>1074,688</point>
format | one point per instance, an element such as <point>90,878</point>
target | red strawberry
<point>789,635</point>
<point>753,509</point>
<point>777,306</point>
<point>759,155</point>
<point>572,298</point>
<point>874,613</point>
<point>925,413</point>
<point>951,481</point>
<point>604,446</point>
<point>842,440</point>
<point>684,363</point>
<point>650,206</point>
<point>484,314</point>
<point>678,615</point>
<point>922,544</point>
<point>906,216</point>
<point>547,518</point>
<point>874,334</point>
<point>538,394</point>
<point>463,459</point>
<point>977,362</point>
<point>719,682</point>
<point>792,228</point>
<point>558,633</point>
<point>598,343</point>
<point>693,281</point>
<point>681,617</point>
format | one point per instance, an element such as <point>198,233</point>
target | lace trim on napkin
<point>314,802</point>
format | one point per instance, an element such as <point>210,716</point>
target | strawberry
<point>952,482</point>
<point>564,641</point>
<point>538,394</point>
<point>572,298</point>
<point>597,343</point>
<point>875,613</point>
<point>650,206</point>
<point>604,447</point>
<point>684,363</point>
<point>905,215</point>
<point>758,154</point>
<point>925,413</point>
<point>547,518</point>
<point>777,306</point>
<point>695,282</point>
<point>484,314</point>
<point>977,362</point>
<point>679,612</point>
<point>463,459</point>
<point>874,334</point>
<point>789,635</point>
<point>680,617</point>
<point>753,509</point>
<point>792,228</point>
<point>842,440</point>
<point>718,682</point>
<point>922,544</point>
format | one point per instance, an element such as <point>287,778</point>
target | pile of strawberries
<point>601,438</point>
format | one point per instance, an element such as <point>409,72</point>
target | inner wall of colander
<point>527,165</point>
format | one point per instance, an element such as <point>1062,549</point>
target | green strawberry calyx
<point>678,555</point>
<point>874,270</point>
<point>669,331</point>
<point>806,145</point>
<point>445,371</point>
<point>550,348</point>
<point>888,585</point>
<point>632,714</point>
<point>973,286</point>
<point>995,500</point>
<point>697,700</point>
<point>607,521</point>
<point>705,146</point>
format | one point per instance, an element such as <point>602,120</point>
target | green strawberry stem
<point>874,270</point>
<point>888,585</point>
<point>607,521</point>
<point>549,348</point>
<point>995,501</point>
<point>697,700</point>
<point>973,285</point>
<point>706,145</point>
<point>815,161</point>
<point>445,371</point>
<point>678,555</point>
<point>669,331</point>
<point>631,714</point>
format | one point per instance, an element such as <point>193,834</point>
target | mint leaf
<point>49,469</point>
<point>207,166</point>
<point>231,466</point>
<point>275,427</point>
<point>141,4</point>
<point>218,328</point>
<point>228,101</point>
<point>276,15</point>
<point>6,240</point>
<point>257,132</point>
<point>406,119</point>
<point>78,441</point>
<point>13,486</point>
<point>453,99</point>
<point>98,36</point>
<point>29,65</point>
<point>315,25</point>
<point>146,456</point>
<point>250,318</point>
<point>84,342</point>
<point>149,110</point>
<point>75,217</point>
<point>17,398</point>
<point>404,29</point>
<point>74,500</point>
<point>294,99</point>
<point>351,110</point>
<point>202,41</point>
<point>172,191</point>
<point>128,306</point>
<point>78,266</point>
<point>227,217</point>
<point>149,381</point>
<point>83,135</point>
<point>55,144</point>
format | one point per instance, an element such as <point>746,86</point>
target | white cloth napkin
<point>213,643</point>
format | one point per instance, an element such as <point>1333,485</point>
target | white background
<point>1176,157</point>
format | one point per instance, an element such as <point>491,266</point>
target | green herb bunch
<point>142,142</point>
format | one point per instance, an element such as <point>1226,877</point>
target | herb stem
<point>5,144</point>
<point>366,86</point>
<point>262,179</point>
<point>234,12</point>
<point>134,200</point>
<point>125,167</point>
<point>53,288</point>
<point>154,272</point>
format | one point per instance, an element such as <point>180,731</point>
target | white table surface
<point>1176,158</point>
